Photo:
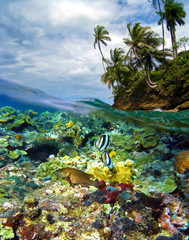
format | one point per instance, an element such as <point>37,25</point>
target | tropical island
<point>148,76</point>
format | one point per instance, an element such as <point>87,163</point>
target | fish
<point>107,159</point>
<point>75,176</point>
<point>102,142</point>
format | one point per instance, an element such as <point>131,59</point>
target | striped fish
<point>102,142</point>
<point>107,159</point>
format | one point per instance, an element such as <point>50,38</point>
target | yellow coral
<point>28,120</point>
<point>18,136</point>
<point>122,172</point>
<point>70,124</point>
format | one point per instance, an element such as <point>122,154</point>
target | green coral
<point>6,232</point>
<point>144,137</point>
<point>3,143</point>
<point>7,114</point>
<point>4,195</point>
<point>21,120</point>
<point>15,120</point>
<point>121,155</point>
<point>76,133</point>
<point>143,159</point>
<point>169,185</point>
<point>13,154</point>
<point>47,169</point>
<point>150,142</point>
<point>122,141</point>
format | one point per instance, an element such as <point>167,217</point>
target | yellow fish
<point>75,177</point>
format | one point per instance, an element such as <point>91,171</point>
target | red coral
<point>102,186</point>
<point>111,197</point>
<point>125,186</point>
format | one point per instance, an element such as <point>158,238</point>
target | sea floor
<point>144,196</point>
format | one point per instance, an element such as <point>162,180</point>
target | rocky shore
<point>151,100</point>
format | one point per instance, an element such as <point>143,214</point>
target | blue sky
<point>48,44</point>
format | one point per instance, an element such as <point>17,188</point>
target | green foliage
<point>173,14</point>
<point>183,42</point>
<point>125,73</point>
<point>175,79</point>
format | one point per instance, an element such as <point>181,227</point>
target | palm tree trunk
<point>102,56</point>
<point>147,75</point>
<point>173,39</point>
<point>162,26</point>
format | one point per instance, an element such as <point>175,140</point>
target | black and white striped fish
<point>102,142</point>
<point>107,159</point>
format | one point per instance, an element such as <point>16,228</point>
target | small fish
<point>107,159</point>
<point>102,142</point>
<point>75,177</point>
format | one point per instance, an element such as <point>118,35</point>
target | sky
<point>48,44</point>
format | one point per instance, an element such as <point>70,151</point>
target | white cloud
<point>69,11</point>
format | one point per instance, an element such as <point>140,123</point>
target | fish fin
<point>69,181</point>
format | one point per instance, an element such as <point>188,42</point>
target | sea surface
<point>145,196</point>
<point>23,98</point>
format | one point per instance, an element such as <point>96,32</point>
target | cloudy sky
<point>48,44</point>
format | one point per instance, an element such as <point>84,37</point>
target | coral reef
<point>54,185</point>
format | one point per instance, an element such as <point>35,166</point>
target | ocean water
<point>40,134</point>
<point>22,98</point>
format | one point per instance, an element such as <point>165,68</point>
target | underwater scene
<point>84,170</point>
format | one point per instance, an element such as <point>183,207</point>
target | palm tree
<point>152,56</point>
<point>183,42</point>
<point>116,71</point>
<point>142,40</point>
<point>155,3</point>
<point>101,36</point>
<point>173,13</point>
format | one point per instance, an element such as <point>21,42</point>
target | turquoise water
<point>47,149</point>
